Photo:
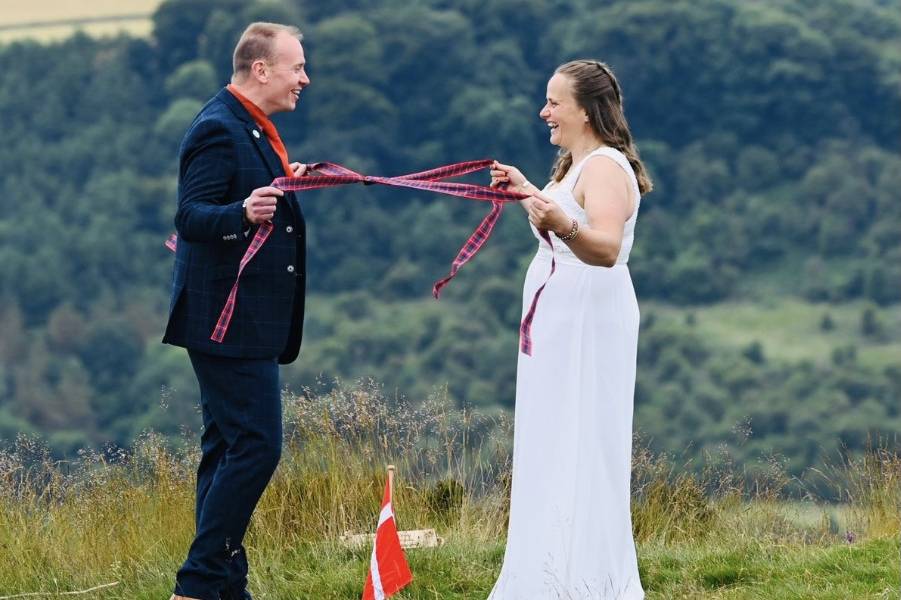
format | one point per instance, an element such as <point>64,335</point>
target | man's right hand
<point>259,207</point>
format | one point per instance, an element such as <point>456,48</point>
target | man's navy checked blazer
<point>223,158</point>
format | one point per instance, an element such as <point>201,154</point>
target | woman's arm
<point>603,189</point>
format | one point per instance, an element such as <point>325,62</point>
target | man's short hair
<point>258,43</point>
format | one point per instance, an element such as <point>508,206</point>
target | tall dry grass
<point>127,515</point>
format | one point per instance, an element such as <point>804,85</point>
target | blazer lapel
<point>265,148</point>
<point>270,158</point>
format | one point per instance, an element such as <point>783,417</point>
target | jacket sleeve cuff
<point>236,223</point>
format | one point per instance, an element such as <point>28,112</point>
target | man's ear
<point>260,70</point>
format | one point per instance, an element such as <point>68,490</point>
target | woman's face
<point>566,119</point>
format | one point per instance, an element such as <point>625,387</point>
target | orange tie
<point>267,126</point>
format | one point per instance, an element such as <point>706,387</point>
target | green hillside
<point>767,261</point>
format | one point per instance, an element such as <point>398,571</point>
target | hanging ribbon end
<point>219,332</point>
<point>525,346</point>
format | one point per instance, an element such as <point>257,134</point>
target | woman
<point>570,531</point>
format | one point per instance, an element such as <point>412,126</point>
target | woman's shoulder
<point>605,167</point>
<point>608,162</point>
<point>608,152</point>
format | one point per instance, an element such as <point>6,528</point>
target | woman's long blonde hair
<point>597,92</point>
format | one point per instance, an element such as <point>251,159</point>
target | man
<point>227,159</point>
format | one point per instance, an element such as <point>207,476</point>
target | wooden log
<point>413,538</point>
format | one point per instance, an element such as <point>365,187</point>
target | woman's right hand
<point>501,173</point>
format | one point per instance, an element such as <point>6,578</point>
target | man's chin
<point>288,106</point>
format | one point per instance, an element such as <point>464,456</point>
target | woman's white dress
<point>570,530</point>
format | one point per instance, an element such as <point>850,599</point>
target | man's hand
<point>259,207</point>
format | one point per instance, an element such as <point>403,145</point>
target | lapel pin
<point>256,134</point>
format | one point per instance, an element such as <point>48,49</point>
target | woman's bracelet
<point>572,232</point>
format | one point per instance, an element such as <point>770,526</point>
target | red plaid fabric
<point>471,247</point>
<point>331,175</point>
<point>525,327</point>
<point>225,317</point>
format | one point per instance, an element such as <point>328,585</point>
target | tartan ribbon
<point>331,175</point>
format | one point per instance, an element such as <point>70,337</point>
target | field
<point>126,518</point>
<point>792,330</point>
<point>56,19</point>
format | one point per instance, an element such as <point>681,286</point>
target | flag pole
<point>391,482</point>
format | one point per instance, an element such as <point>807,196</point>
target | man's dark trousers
<point>241,442</point>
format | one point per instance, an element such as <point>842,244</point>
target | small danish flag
<point>388,569</point>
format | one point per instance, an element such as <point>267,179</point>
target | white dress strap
<point>617,157</point>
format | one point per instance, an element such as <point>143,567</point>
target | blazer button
<point>289,229</point>
<point>290,268</point>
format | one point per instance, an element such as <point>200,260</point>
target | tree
<point>177,25</point>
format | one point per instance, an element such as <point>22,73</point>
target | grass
<point>127,517</point>
<point>790,329</point>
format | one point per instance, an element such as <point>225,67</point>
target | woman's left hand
<point>547,214</point>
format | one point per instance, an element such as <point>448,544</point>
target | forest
<point>767,261</point>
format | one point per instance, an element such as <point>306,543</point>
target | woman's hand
<point>298,169</point>
<point>501,173</point>
<point>544,213</point>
